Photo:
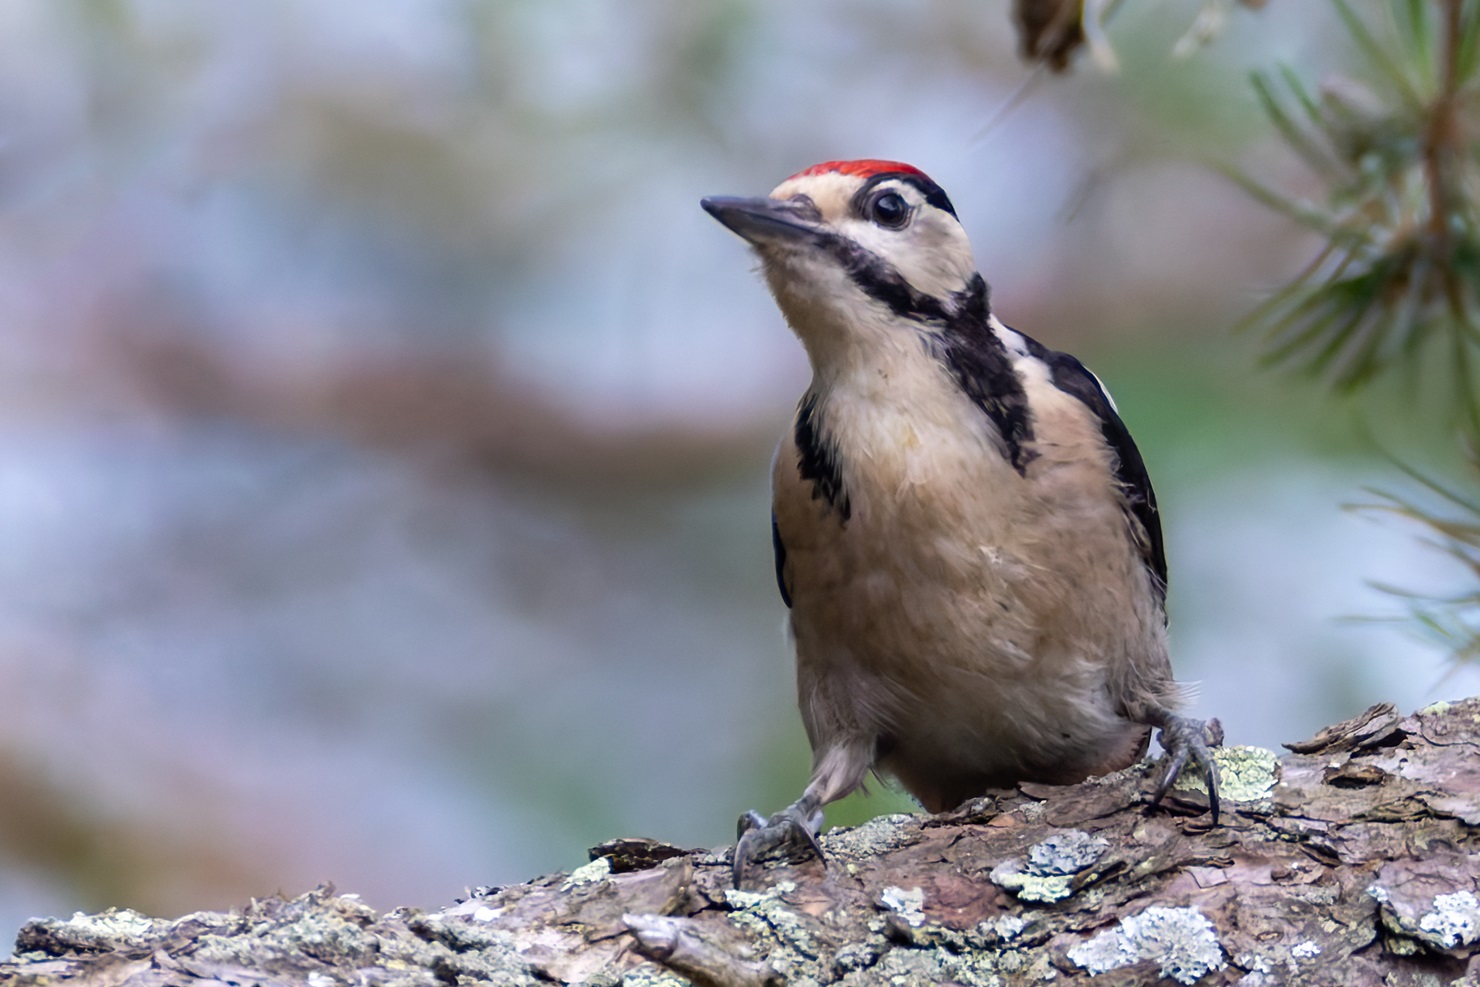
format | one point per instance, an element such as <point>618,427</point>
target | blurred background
<point>384,430</point>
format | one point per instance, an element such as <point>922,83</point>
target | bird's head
<point>851,248</point>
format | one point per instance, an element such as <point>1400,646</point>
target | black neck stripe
<point>818,459</point>
<point>878,279</point>
<point>978,360</point>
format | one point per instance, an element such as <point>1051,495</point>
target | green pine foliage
<point>1394,289</point>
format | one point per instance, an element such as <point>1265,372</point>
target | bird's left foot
<point>1185,739</point>
<point>795,825</point>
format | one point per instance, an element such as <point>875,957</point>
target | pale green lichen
<point>330,926</point>
<point>464,936</point>
<point>909,904</point>
<point>652,976</point>
<point>1245,774</point>
<point>910,967</point>
<point>1027,967</point>
<point>1068,852</point>
<point>116,923</point>
<point>766,916</point>
<point>1313,894</point>
<point>597,870</point>
<point>319,939</point>
<point>107,930</point>
<point>877,836</point>
<point>859,955</point>
<point>1003,928</point>
<point>1453,921</point>
<point>1047,874</point>
<point>1181,941</point>
<point>1399,946</point>
<point>1436,709</point>
<point>736,898</point>
<point>1252,962</point>
<point>1028,886</point>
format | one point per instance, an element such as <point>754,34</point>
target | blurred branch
<point>155,863</point>
<point>1051,31</point>
<point>454,406</point>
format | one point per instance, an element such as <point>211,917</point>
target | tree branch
<point>1353,860</point>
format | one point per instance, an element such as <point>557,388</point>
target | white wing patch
<point>1104,390</point>
<point>1011,338</point>
<point>1030,366</point>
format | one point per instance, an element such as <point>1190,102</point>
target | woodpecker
<point>965,534</point>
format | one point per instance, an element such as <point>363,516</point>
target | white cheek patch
<point>932,253</point>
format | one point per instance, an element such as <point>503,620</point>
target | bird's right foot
<point>797,825</point>
<point>1187,740</point>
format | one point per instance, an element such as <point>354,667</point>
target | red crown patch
<point>863,168</point>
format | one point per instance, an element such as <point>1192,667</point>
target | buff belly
<point>939,622</point>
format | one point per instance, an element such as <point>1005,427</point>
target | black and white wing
<point>1143,519</point>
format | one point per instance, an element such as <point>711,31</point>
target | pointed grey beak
<point>762,220</point>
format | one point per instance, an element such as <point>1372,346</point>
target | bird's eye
<point>890,210</point>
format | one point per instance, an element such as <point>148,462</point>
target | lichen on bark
<point>1352,860</point>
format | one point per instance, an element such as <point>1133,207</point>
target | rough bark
<point>1352,860</point>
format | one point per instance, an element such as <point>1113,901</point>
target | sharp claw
<point>793,825</point>
<point>1183,739</point>
<point>1176,761</point>
<point>808,831</point>
<point>1210,775</point>
<point>742,856</point>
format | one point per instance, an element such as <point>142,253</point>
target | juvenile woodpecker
<point>964,531</point>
